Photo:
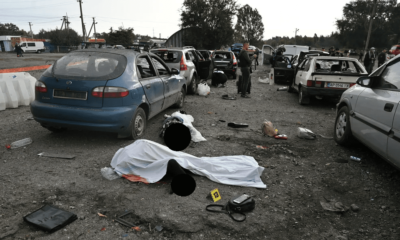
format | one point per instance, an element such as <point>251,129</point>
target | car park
<point>106,90</point>
<point>370,112</point>
<point>226,61</point>
<point>325,76</point>
<point>191,63</point>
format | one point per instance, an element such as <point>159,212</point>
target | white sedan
<point>325,76</point>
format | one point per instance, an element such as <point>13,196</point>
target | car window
<point>145,68</point>
<point>187,56</point>
<point>222,55</point>
<point>304,62</point>
<point>205,54</point>
<point>162,70</point>
<point>199,56</point>
<point>23,45</point>
<point>168,56</point>
<point>31,44</point>
<point>337,66</point>
<point>390,78</point>
<point>94,66</point>
<point>307,65</point>
<point>191,57</point>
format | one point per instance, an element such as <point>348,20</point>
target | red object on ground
<point>284,137</point>
<point>136,228</point>
<point>24,69</point>
<point>135,178</point>
<point>103,229</point>
<point>8,146</point>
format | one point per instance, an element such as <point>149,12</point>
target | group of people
<point>18,49</point>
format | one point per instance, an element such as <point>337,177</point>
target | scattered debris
<point>203,89</point>
<point>101,215</point>
<point>267,128</point>
<point>50,218</point>
<point>333,206</point>
<point>238,125</point>
<point>21,143</point>
<point>8,146</point>
<point>354,208</point>
<point>108,173</point>
<point>266,80</point>
<point>305,133</point>
<point>261,147</point>
<point>124,222</point>
<point>30,118</point>
<point>282,136</point>
<point>355,159</point>
<point>227,97</point>
<point>282,89</point>
<point>159,228</point>
<point>103,229</point>
<point>55,155</point>
<point>136,228</point>
<point>222,120</point>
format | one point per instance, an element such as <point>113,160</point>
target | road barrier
<point>16,89</point>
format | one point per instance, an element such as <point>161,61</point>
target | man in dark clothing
<point>257,52</point>
<point>369,60</point>
<point>244,64</point>
<point>361,56</point>
<point>382,58</point>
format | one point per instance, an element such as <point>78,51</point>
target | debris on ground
<point>355,159</point>
<point>108,173</point>
<point>149,160</point>
<point>354,208</point>
<point>238,125</point>
<point>281,136</point>
<point>21,143</point>
<point>187,121</point>
<point>8,146</point>
<point>136,228</point>
<point>101,215</point>
<point>282,89</point>
<point>228,97</point>
<point>55,155</point>
<point>124,222</point>
<point>203,89</point>
<point>103,229</point>
<point>333,206</point>
<point>266,80</point>
<point>50,218</point>
<point>159,228</point>
<point>305,133</point>
<point>267,128</point>
<point>261,147</point>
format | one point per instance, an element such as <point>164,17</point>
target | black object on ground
<point>50,218</point>
<point>233,207</point>
<point>176,135</point>
<point>123,221</point>
<point>239,84</point>
<point>238,125</point>
<point>182,183</point>
<point>218,77</point>
<point>227,97</point>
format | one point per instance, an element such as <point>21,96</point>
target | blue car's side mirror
<point>174,71</point>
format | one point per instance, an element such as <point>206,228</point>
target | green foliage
<point>353,27</point>
<point>65,37</point>
<point>209,22</point>
<point>11,29</point>
<point>122,36</point>
<point>249,26</point>
<point>324,41</point>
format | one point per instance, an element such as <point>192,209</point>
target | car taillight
<point>234,60</point>
<point>110,92</point>
<point>309,83</point>
<point>183,65</point>
<point>318,84</point>
<point>352,84</point>
<point>40,87</point>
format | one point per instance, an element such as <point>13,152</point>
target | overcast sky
<point>280,18</point>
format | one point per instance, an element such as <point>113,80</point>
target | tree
<point>122,36</point>
<point>11,29</point>
<point>65,37</point>
<point>249,25</point>
<point>208,22</point>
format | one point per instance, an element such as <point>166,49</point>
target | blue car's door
<point>171,82</point>
<point>152,84</point>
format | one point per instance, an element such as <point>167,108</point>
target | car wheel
<point>38,52</point>
<point>342,132</point>
<point>303,99</point>
<point>181,99</point>
<point>193,85</point>
<point>138,124</point>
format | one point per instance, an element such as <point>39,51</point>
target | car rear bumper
<point>313,91</point>
<point>96,119</point>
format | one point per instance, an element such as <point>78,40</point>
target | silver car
<point>192,65</point>
<point>370,112</point>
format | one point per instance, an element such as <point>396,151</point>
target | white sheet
<point>149,160</point>
<point>187,121</point>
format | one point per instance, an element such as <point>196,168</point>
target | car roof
<point>174,49</point>
<point>222,51</point>
<point>125,52</point>
<point>333,58</point>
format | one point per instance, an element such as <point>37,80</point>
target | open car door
<point>202,65</point>
<point>268,54</point>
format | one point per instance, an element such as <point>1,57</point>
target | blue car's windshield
<point>98,66</point>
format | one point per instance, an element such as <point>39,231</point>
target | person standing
<point>360,56</point>
<point>382,58</point>
<point>369,60</point>
<point>257,52</point>
<point>245,64</point>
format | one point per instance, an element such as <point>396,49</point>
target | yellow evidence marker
<point>215,195</point>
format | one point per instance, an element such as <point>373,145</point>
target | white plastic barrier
<point>16,89</point>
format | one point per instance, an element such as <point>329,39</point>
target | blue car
<point>106,90</point>
<point>236,48</point>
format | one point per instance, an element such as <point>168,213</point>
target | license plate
<point>338,85</point>
<point>69,94</point>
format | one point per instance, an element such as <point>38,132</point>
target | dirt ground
<point>299,175</point>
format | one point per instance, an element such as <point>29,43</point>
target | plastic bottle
<point>21,143</point>
<point>355,158</point>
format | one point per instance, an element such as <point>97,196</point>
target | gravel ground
<point>299,175</point>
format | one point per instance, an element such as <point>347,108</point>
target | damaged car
<point>106,90</point>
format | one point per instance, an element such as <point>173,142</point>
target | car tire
<point>38,52</point>
<point>303,99</point>
<point>138,124</point>
<point>193,85</point>
<point>342,130</point>
<point>181,99</point>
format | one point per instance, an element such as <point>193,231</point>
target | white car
<point>325,76</point>
<point>37,47</point>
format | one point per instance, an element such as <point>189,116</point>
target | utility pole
<point>370,28</point>
<point>62,23</point>
<point>83,26</point>
<point>91,27</point>
<point>30,26</point>
<point>295,36</point>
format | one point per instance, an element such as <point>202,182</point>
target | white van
<point>36,47</point>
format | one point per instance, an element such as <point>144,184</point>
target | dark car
<point>225,61</point>
<point>236,48</point>
<point>208,56</point>
<point>106,90</point>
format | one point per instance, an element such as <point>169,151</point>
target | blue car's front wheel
<point>138,124</point>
